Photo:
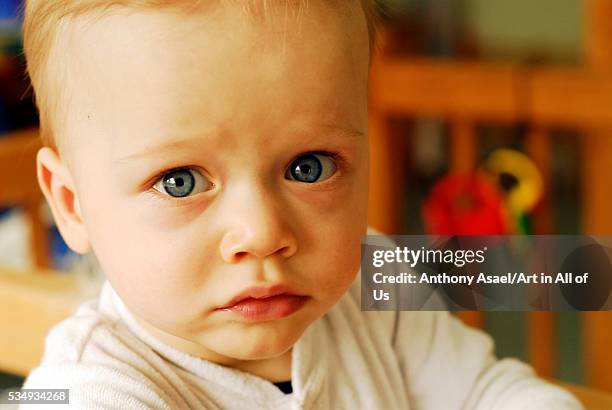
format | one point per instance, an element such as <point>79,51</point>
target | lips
<point>265,303</point>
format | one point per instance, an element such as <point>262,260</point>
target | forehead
<point>220,67</point>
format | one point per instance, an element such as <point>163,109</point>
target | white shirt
<point>348,359</point>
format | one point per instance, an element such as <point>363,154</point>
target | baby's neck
<point>276,369</point>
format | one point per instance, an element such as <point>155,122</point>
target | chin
<point>265,342</point>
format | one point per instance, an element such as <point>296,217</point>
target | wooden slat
<point>552,96</point>
<point>387,154</point>
<point>597,182</point>
<point>383,213</point>
<point>541,346</point>
<point>577,98</point>
<point>387,181</point>
<point>597,197</point>
<point>18,166</point>
<point>463,157</point>
<point>20,187</point>
<point>598,34</point>
<point>597,342</point>
<point>472,318</point>
<point>597,186</point>
<point>30,304</point>
<point>538,146</point>
<point>463,145</point>
<point>422,88</point>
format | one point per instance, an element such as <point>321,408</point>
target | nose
<point>257,226</point>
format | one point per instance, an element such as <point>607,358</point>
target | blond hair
<point>43,19</point>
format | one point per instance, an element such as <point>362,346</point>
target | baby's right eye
<point>180,183</point>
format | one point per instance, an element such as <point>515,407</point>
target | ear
<point>58,187</point>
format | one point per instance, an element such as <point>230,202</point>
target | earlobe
<point>58,188</point>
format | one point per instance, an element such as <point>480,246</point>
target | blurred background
<point>486,116</point>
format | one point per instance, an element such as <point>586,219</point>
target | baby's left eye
<point>311,168</point>
<point>182,182</point>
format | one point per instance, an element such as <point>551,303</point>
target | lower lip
<point>274,307</point>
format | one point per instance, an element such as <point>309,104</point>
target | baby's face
<point>213,153</point>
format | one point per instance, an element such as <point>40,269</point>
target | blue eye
<point>181,183</point>
<point>311,168</point>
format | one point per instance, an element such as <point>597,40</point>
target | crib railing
<point>466,94</point>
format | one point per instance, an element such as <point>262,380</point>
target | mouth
<point>265,303</point>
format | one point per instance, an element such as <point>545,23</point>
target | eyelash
<point>335,156</point>
<point>338,159</point>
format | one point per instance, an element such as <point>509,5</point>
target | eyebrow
<point>162,148</point>
<point>192,142</point>
<point>349,132</point>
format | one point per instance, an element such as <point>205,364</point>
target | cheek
<point>331,244</point>
<point>337,257</point>
<point>152,267</point>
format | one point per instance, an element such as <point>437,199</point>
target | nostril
<point>236,246</point>
<point>239,255</point>
<point>286,251</point>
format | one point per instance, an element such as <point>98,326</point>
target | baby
<point>213,155</point>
